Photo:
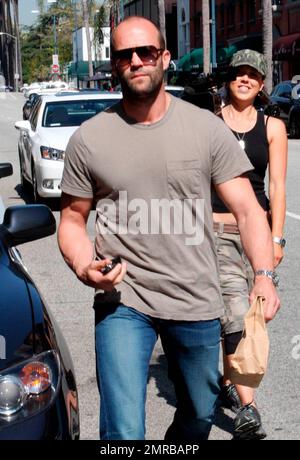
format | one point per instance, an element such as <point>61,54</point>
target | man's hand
<point>264,287</point>
<point>91,275</point>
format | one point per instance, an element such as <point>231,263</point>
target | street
<point>278,397</point>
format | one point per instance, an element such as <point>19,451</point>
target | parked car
<point>29,104</point>
<point>46,87</point>
<point>44,137</point>
<point>6,88</point>
<point>38,395</point>
<point>175,90</point>
<point>285,99</point>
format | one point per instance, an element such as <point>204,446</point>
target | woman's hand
<point>278,254</point>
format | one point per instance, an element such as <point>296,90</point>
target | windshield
<point>73,113</point>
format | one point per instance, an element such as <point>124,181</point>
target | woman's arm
<point>278,149</point>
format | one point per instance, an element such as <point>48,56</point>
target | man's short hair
<point>161,39</point>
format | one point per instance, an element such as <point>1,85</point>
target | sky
<point>25,7</point>
<point>26,17</point>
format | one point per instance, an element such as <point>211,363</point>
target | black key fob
<point>109,267</point>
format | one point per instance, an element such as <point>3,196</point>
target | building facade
<point>240,22</point>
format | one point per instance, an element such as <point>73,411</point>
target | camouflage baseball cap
<point>251,58</point>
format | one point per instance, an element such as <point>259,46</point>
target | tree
<point>268,41</point>
<point>206,36</point>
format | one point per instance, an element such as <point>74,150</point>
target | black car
<point>29,105</point>
<point>38,395</point>
<point>285,99</point>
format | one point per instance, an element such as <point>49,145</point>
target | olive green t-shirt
<point>152,189</point>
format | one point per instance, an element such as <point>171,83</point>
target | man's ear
<point>166,57</point>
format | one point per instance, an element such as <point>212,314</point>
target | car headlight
<point>48,153</point>
<point>29,387</point>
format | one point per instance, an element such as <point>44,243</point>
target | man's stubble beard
<point>133,92</point>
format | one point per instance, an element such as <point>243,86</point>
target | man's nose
<point>136,60</point>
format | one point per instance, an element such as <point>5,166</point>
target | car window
<point>73,113</point>
<point>34,115</point>
<point>284,91</point>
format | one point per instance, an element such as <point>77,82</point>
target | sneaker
<point>247,424</point>
<point>229,397</point>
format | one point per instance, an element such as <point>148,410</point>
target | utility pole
<point>75,41</point>
<point>206,36</point>
<point>213,35</point>
<point>88,39</point>
<point>268,41</point>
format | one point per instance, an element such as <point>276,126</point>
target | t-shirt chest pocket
<point>184,179</point>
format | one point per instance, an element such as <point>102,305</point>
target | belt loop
<point>221,227</point>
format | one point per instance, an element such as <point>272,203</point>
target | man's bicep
<point>74,208</point>
<point>237,194</point>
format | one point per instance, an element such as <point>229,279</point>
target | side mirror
<point>23,124</point>
<point>22,224</point>
<point>6,169</point>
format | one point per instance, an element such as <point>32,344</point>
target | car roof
<point>74,96</point>
<point>174,87</point>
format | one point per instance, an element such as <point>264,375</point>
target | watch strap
<point>269,274</point>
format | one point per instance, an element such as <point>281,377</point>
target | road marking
<point>294,216</point>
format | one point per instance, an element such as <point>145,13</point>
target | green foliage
<point>37,41</point>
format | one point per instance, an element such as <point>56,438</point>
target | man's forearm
<point>75,246</point>
<point>256,239</point>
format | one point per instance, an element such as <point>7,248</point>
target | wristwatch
<point>270,274</point>
<point>279,240</point>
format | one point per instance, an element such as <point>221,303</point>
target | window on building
<point>251,11</point>
<point>222,16</point>
<point>241,5</point>
<point>107,52</point>
<point>231,15</point>
<point>198,29</point>
<point>183,16</point>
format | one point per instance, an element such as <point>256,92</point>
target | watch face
<point>275,278</point>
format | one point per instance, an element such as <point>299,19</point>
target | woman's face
<point>247,84</point>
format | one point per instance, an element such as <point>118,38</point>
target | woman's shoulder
<point>274,123</point>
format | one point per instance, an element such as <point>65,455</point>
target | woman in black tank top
<point>265,142</point>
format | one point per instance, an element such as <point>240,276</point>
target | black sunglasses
<point>147,54</point>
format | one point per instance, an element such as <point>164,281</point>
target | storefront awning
<point>287,47</point>
<point>194,59</point>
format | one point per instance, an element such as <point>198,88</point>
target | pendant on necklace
<point>242,143</point>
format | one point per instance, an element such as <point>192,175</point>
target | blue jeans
<point>125,339</point>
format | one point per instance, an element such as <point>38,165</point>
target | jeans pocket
<point>184,179</point>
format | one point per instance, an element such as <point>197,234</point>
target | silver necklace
<point>241,140</point>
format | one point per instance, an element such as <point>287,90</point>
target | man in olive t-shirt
<point>148,163</point>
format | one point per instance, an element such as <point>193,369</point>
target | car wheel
<point>35,194</point>
<point>294,128</point>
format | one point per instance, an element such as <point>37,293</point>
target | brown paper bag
<point>250,359</point>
